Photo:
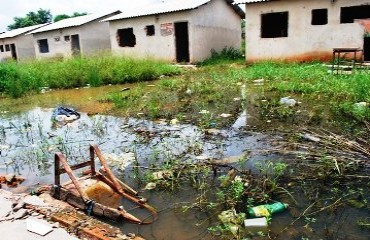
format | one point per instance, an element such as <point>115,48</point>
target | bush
<point>226,55</point>
<point>18,78</point>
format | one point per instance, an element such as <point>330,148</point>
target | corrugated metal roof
<point>250,1</point>
<point>73,22</point>
<point>159,8</point>
<point>20,31</point>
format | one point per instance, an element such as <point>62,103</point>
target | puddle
<point>28,141</point>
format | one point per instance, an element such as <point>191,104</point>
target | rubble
<point>43,217</point>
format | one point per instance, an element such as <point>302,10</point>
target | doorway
<point>75,43</point>
<point>182,42</point>
<point>367,49</point>
<point>13,51</point>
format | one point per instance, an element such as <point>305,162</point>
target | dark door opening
<point>75,43</point>
<point>367,49</point>
<point>13,51</point>
<point>182,42</point>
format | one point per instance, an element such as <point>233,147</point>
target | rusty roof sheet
<point>20,31</point>
<point>73,22</point>
<point>167,7</point>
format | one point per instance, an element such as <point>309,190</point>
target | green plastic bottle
<point>267,209</point>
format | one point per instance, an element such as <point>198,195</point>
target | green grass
<point>226,55</point>
<point>17,79</point>
<point>214,87</point>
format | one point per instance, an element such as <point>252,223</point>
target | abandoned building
<point>304,30</point>
<point>16,45</point>
<point>83,35</point>
<point>177,30</point>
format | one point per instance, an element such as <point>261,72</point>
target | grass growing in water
<point>17,79</point>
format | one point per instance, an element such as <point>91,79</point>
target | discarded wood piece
<point>76,195</point>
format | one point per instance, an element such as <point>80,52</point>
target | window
<point>150,30</point>
<point>319,16</point>
<point>349,14</point>
<point>67,38</point>
<point>43,45</point>
<point>274,25</point>
<point>1,48</point>
<point>7,48</point>
<point>126,37</point>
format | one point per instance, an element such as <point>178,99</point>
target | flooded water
<point>29,139</point>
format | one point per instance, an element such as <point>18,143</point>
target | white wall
<point>94,37</point>
<point>212,26</point>
<point>157,46</point>
<point>57,47</point>
<point>304,41</point>
<point>23,45</point>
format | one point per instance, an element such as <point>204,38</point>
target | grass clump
<point>16,79</point>
<point>227,55</point>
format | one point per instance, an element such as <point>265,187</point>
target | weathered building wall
<point>160,46</point>
<point>211,26</point>
<point>95,37</point>
<point>23,45</point>
<point>214,26</point>
<point>304,41</point>
<point>5,54</point>
<point>58,45</point>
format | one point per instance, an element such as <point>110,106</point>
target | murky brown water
<point>28,140</point>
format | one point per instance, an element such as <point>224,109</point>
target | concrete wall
<point>23,45</point>
<point>212,26</point>
<point>94,37</point>
<point>157,46</point>
<point>304,41</point>
<point>215,26</point>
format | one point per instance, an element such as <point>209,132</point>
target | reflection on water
<point>28,141</point>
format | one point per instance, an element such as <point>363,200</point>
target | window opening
<point>349,14</point>
<point>319,16</point>
<point>274,25</point>
<point>150,30</point>
<point>43,45</point>
<point>126,37</point>
<point>67,38</point>
<point>1,48</point>
<point>7,48</point>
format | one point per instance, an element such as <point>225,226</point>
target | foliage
<point>19,78</point>
<point>65,16</point>
<point>31,18</point>
<point>226,55</point>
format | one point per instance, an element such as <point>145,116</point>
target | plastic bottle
<point>267,209</point>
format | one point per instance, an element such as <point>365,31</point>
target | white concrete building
<point>14,44</point>
<point>304,30</point>
<point>82,35</point>
<point>177,30</point>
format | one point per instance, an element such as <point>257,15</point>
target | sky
<point>19,8</point>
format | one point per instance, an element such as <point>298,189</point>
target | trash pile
<point>63,115</point>
<point>257,218</point>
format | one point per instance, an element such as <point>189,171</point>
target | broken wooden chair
<point>74,193</point>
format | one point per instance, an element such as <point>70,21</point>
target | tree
<point>32,18</point>
<point>65,16</point>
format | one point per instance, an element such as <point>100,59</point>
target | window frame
<point>126,37</point>
<point>46,47</point>
<point>150,30</point>
<point>316,17</point>
<point>272,17</point>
